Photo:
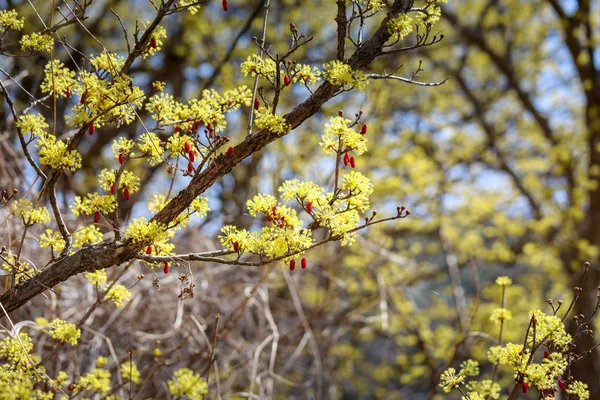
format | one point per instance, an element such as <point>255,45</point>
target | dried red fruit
<point>70,387</point>
<point>190,167</point>
<point>192,156</point>
<point>546,354</point>
<point>91,129</point>
<point>153,43</point>
<point>525,387</point>
<point>269,219</point>
<point>303,263</point>
<point>346,158</point>
<point>562,385</point>
<point>292,265</point>
<point>236,247</point>
<point>256,104</point>
<point>225,5</point>
<point>96,217</point>
<point>149,250</point>
<point>126,194</point>
<point>274,210</point>
<point>187,147</point>
<point>112,189</point>
<point>121,158</point>
<point>83,97</point>
<point>229,152</point>
<point>166,268</point>
<point>197,125</point>
<point>286,80</point>
<point>177,129</point>
<point>68,93</point>
<point>352,162</point>
<point>364,130</point>
<point>309,207</point>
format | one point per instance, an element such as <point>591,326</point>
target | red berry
<point>187,147</point>
<point>546,354</point>
<point>292,265</point>
<point>68,93</point>
<point>229,152</point>
<point>364,130</point>
<point>286,80</point>
<point>256,104</point>
<point>91,129</point>
<point>190,167</point>
<point>197,125</point>
<point>236,247</point>
<point>352,162</point>
<point>153,43</point>
<point>562,385</point>
<point>96,217</point>
<point>177,129</point>
<point>126,194</point>
<point>309,207</point>
<point>70,387</point>
<point>121,158</point>
<point>149,250</point>
<point>83,97</point>
<point>166,268</point>
<point>303,263</point>
<point>346,158</point>
<point>225,5</point>
<point>112,189</point>
<point>274,210</point>
<point>269,219</point>
<point>525,387</point>
<point>192,156</point>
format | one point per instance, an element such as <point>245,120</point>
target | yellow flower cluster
<point>128,180</point>
<point>503,281</point>
<point>552,328</point>
<point>254,65</point>
<point>130,372</point>
<point>97,278</point>
<point>119,294</point>
<point>578,389</point>
<point>34,124</point>
<point>273,123</point>
<point>65,332</point>
<point>55,153</point>
<point>358,188</point>
<point>500,315</point>
<point>37,42</point>
<point>22,269</point>
<point>105,100</point>
<point>340,74</point>
<point>340,138</point>
<point>151,146</point>
<point>109,62</point>
<point>305,74</point>
<point>86,236</point>
<point>189,384</point>
<point>192,9</point>
<point>63,79</point>
<point>53,240</point>
<point>24,208</point>
<point>96,381</point>
<point>15,351</point>
<point>155,39</point>
<point>93,202</point>
<point>10,19</point>
<point>401,26</point>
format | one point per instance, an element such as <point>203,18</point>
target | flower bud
<point>309,208</point>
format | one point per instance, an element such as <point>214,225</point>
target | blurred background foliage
<point>499,166</point>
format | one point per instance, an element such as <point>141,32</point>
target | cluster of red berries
<point>349,159</point>
<point>302,264</point>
